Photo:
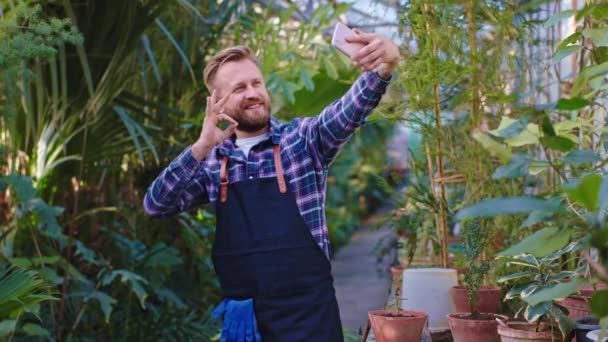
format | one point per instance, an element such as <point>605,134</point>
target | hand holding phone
<point>368,51</point>
<point>338,40</point>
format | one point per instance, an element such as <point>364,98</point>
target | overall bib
<point>264,250</point>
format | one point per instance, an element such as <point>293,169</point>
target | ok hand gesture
<point>211,134</point>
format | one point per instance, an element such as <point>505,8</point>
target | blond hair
<point>231,54</point>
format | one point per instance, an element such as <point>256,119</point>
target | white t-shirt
<point>247,143</point>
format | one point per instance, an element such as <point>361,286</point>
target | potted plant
<point>471,323</point>
<point>396,325</point>
<point>539,285</point>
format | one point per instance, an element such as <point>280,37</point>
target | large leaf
<point>7,326</point>
<point>34,330</point>
<point>564,52</point>
<point>558,143</point>
<point>599,36</point>
<point>557,17</point>
<point>512,130</point>
<point>572,104</point>
<point>133,279</point>
<point>534,312</point>
<point>514,276</point>
<point>508,206</point>
<point>599,303</point>
<point>105,301</point>
<point>603,210</point>
<point>578,157</point>
<point>518,167</point>
<point>529,136</point>
<point>496,149</point>
<point>559,291</point>
<point>22,186</point>
<point>585,191</point>
<point>540,243</point>
<point>325,91</point>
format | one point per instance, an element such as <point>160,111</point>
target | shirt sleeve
<point>179,187</point>
<point>327,133</point>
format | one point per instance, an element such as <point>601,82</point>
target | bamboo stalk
<point>442,227</point>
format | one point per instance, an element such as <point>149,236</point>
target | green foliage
<point>538,282</point>
<point>474,241</point>
<point>21,291</point>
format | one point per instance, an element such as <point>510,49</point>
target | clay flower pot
<point>578,306</point>
<point>488,298</point>
<point>390,328</point>
<point>524,331</point>
<point>466,329</point>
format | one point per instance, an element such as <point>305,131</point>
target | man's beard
<point>251,122</point>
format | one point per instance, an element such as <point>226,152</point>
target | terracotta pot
<point>577,306</point>
<point>397,272</point>
<point>488,298</point>
<point>397,329</point>
<point>465,330</point>
<point>524,331</point>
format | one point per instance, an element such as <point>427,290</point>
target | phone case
<point>341,31</point>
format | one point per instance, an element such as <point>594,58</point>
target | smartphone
<point>338,40</point>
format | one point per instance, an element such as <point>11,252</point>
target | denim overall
<point>264,250</point>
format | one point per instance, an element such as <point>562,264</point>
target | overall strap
<point>278,167</point>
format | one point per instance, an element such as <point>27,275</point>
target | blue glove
<point>239,323</point>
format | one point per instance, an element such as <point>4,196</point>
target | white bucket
<point>428,290</point>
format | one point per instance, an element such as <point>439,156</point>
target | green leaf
<point>547,127</point>
<point>34,330</point>
<point>50,275</point>
<point>599,303</point>
<point>571,39</point>
<point>535,217</point>
<point>105,301</point>
<point>557,17</point>
<point>540,243</point>
<point>564,52</point>
<point>514,129</point>
<point>496,149</point>
<point>564,323</point>
<point>306,80</point>
<point>599,36</point>
<point>508,206</point>
<point>7,326</point>
<point>530,290</point>
<point>527,137</point>
<point>559,291</point>
<point>22,186</point>
<point>578,157</point>
<point>330,68</point>
<point>585,191</point>
<point>558,143</point>
<point>603,210</point>
<point>518,167</point>
<point>514,276</point>
<point>515,291</point>
<point>534,312</point>
<point>602,54</point>
<point>177,47</point>
<point>574,103</point>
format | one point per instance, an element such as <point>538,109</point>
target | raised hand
<point>379,53</point>
<point>211,134</point>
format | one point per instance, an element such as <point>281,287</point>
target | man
<point>267,182</point>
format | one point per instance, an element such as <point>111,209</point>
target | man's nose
<point>252,93</point>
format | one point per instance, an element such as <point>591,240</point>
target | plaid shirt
<point>308,146</point>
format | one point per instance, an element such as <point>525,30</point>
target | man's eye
<point>239,88</point>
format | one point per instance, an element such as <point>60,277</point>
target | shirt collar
<point>228,147</point>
